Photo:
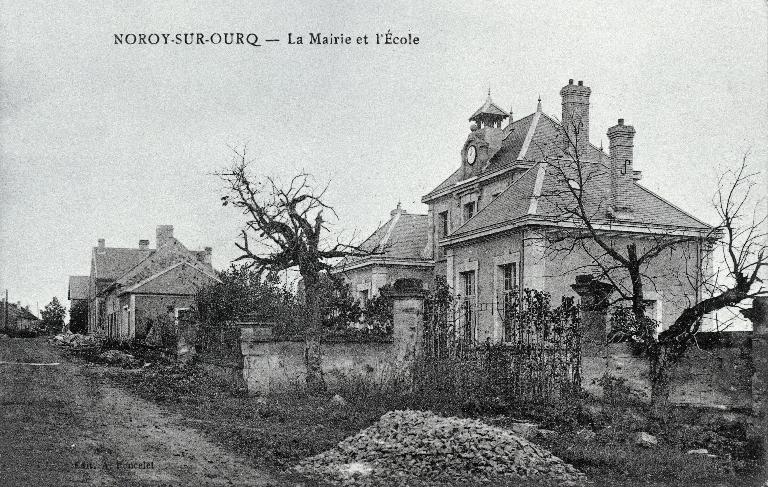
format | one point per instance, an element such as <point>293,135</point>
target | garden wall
<point>249,356</point>
<point>279,365</point>
<point>717,373</point>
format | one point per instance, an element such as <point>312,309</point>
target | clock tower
<point>484,138</point>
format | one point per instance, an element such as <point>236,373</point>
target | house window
<point>182,315</point>
<point>442,231</point>
<point>510,277</point>
<point>468,284</point>
<point>443,217</point>
<point>362,296</point>
<point>508,298</point>
<point>469,210</point>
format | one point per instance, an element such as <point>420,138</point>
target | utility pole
<point>5,320</point>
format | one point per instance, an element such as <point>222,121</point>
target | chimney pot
<point>570,81</point>
<point>621,121</point>
<point>101,243</point>
<point>143,244</point>
<point>581,83</point>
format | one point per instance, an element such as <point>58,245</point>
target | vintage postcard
<point>383,243</point>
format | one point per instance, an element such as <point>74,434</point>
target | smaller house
<point>77,291</point>
<point>19,317</point>
<point>397,251</point>
<point>131,289</point>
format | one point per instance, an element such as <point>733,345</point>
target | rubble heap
<point>422,444</point>
<point>75,340</point>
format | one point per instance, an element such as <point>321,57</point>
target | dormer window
<point>469,210</point>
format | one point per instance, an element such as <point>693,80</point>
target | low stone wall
<point>249,356</point>
<point>273,366</point>
<point>711,375</point>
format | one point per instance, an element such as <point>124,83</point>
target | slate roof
<point>78,287</point>
<point>124,267</point>
<point>403,236</point>
<point>171,253</point>
<point>113,262</point>
<point>549,200</point>
<point>15,313</point>
<point>489,107</point>
<point>514,151</point>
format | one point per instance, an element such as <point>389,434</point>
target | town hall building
<point>504,219</point>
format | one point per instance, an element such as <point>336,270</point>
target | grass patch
<point>278,430</point>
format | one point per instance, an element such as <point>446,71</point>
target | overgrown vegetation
<point>245,295</point>
<point>280,429</point>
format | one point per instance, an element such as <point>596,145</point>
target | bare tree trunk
<point>312,352</point>
<point>659,372</point>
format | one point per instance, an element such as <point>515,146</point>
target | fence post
<point>758,425</point>
<point>407,320</point>
<point>594,325</point>
<point>186,337</point>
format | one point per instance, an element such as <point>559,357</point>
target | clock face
<point>471,154</point>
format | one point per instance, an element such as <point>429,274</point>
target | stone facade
<point>500,207</point>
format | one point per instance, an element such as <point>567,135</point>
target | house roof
<point>528,139</point>
<point>112,262</point>
<point>542,192</point>
<point>78,287</point>
<point>489,108</point>
<point>402,237</point>
<point>171,253</point>
<point>16,312</point>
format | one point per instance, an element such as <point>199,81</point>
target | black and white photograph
<point>384,243</point>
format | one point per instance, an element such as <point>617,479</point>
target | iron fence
<point>519,347</point>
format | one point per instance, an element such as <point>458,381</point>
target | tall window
<point>469,210</point>
<point>443,217</point>
<point>442,230</point>
<point>468,283</point>
<point>510,276</point>
<point>509,290</point>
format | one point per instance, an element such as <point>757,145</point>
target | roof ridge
<point>529,136</point>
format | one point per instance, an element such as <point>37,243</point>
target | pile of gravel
<point>421,444</point>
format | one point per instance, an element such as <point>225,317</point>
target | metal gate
<point>538,357</point>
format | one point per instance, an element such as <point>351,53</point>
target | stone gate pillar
<point>594,329</point>
<point>407,321</point>
<point>758,427</point>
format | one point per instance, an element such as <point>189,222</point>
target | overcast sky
<point>107,141</point>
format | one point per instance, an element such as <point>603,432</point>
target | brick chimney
<point>620,145</point>
<point>164,234</point>
<point>576,115</point>
<point>620,139</point>
<point>101,248</point>
<point>207,255</point>
<point>143,244</point>
<point>398,210</point>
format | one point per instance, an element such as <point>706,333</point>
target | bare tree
<point>586,222</point>
<point>285,229</point>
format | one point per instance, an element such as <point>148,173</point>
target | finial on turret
<point>538,106</point>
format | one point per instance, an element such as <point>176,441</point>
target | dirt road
<point>64,425</point>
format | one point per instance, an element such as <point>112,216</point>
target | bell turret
<point>489,115</point>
